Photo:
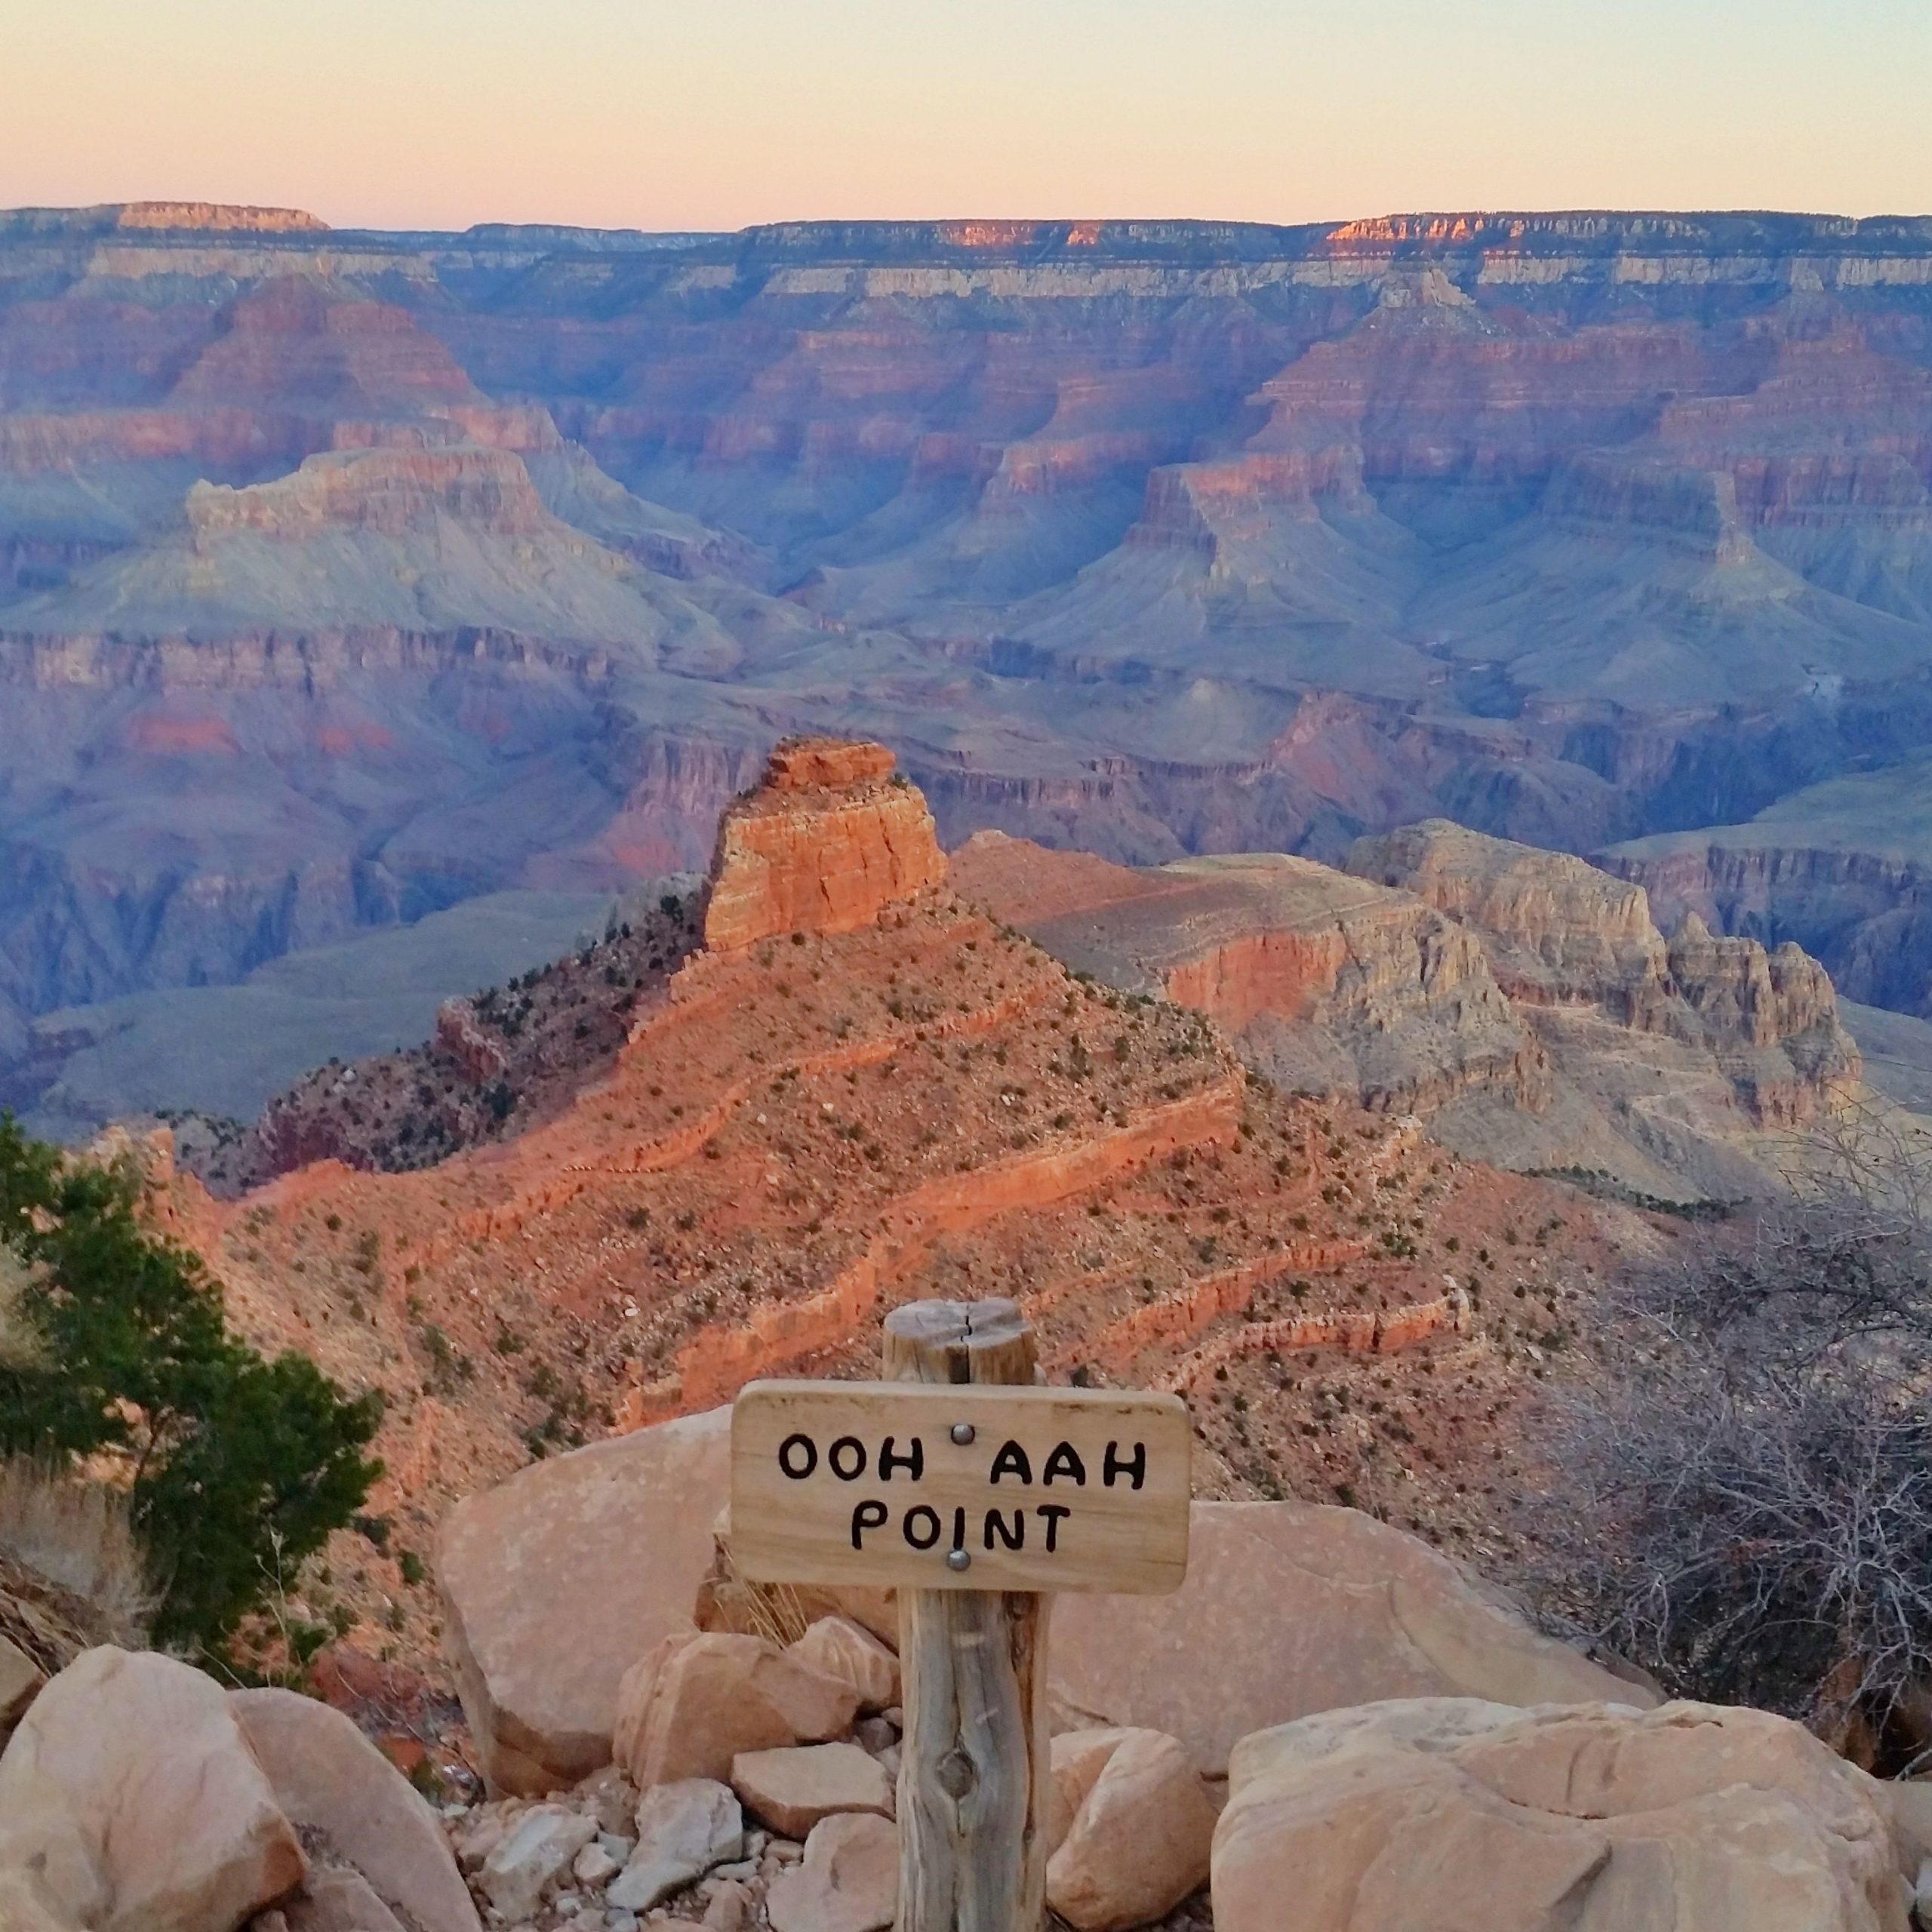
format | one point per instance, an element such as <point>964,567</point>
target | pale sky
<point>674,114</point>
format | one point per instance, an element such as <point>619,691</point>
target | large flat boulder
<point>558,1580</point>
<point>1418,1816</point>
<point>1290,1608</point>
<point>330,1780</point>
<point>129,1791</point>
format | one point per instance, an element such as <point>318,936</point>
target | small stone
<point>741,1869</point>
<point>755,1842</point>
<point>616,1847</point>
<point>594,1865</point>
<point>533,1853</point>
<point>874,1734</point>
<point>792,1790</point>
<point>688,1707</point>
<point>848,1880</point>
<point>620,1921</point>
<point>729,1908</point>
<point>568,1905</point>
<point>610,1795</point>
<point>896,1718</point>
<point>683,1829</point>
<point>476,1845</point>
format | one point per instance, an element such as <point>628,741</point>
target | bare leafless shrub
<point>1739,1497</point>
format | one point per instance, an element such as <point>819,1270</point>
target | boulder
<point>556,1582</point>
<point>535,1852</point>
<point>1293,1607</point>
<point>697,1701</point>
<point>24,1906</point>
<point>792,1790</point>
<point>683,1830</point>
<point>338,1899</point>
<point>835,1647</point>
<point>1439,1813</point>
<point>848,1880</point>
<point>1140,1833</point>
<point>130,1788</point>
<point>329,1780</point>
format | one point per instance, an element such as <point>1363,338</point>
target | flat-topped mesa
<point>827,839</point>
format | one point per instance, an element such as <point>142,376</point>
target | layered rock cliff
<point>1522,1000</point>
<point>824,845</point>
<point>1327,984</point>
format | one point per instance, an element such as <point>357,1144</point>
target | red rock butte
<point>827,841</point>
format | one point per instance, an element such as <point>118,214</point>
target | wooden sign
<point>965,1488</point>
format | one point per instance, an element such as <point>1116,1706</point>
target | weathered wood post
<point>973,1765</point>
<point>976,1493</point>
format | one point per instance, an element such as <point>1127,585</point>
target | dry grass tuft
<point>76,1535</point>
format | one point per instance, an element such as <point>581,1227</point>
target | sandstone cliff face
<point>823,845</point>
<point>1329,984</point>
<point>1559,930</point>
<point>1563,933</point>
<point>1521,1000</point>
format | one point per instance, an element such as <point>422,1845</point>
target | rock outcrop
<point>1327,983</point>
<point>1522,1000</point>
<point>1563,933</point>
<point>828,840</point>
<point>1601,1818</point>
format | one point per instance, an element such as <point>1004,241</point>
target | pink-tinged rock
<point>24,1906</point>
<point>556,1582</point>
<point>848,1880</point>
<point>835,1647</point>
<point>1141,1831</point>
<point>1293,1607</point>
<point>129,1789</point>
<point>696,1702</point>
<point>1446,1812</point>
<point>792,1790</point>
<point>329,1780</point>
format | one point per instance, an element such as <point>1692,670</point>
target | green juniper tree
<point>115,1344</point>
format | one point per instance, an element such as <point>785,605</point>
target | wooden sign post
<point>973,1491</point>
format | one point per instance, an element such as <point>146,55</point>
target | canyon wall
<point>1145,538</point>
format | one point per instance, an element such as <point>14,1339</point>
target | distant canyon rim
<point>356,584</point>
